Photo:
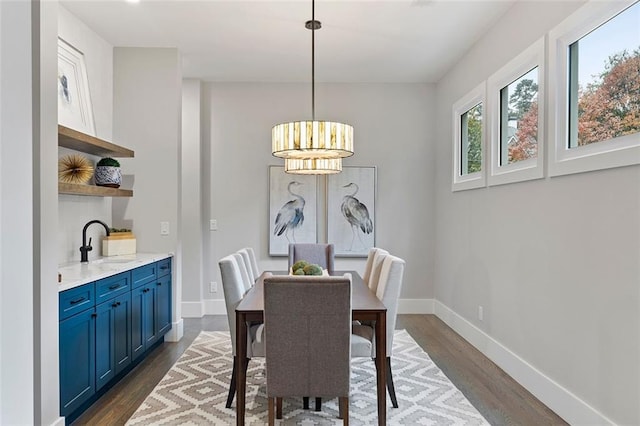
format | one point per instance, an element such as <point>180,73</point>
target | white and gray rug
<point>194,391</point>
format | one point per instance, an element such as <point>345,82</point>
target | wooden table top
<point>362,298</point>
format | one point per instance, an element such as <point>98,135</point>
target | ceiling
<point>392,41</point>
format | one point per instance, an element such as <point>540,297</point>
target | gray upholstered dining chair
<point>247,282</point>
<point>253,261</point>
<point>233,288</point>
<point>363,335</point>
<point>247,264</point>
<point>307,334</point>
<point>320,254</point>
<point>373,267</point>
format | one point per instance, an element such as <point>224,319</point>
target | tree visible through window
<point>519,119</point>
<point>471,141</point>
<point>605,97</point>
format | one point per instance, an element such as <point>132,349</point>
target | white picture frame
<point>351,212</point>
<point>289,197</point>
<point>74,101</point>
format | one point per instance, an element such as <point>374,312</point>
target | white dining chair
<point>363,335</point>
<point>247,264</point>
<point>376,268</point>
<point>247,282</point>
<point>233,288</point>
<point>253,261</point>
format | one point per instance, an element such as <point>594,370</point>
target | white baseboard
<point>415,306</point>
<point>192,309</point>
<point>58,422</point>
<point>215,307</point>
<point>176,332</point>
<point>553,395</point>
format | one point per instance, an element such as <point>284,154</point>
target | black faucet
<point>86,248</point>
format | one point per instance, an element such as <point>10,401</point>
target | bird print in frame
<point>292,210</point>
<point>351,211</point>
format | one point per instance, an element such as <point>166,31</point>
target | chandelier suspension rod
<point>313,60</point>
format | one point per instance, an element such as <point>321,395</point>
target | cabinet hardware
<point>158,283</point>
<point>114,305</point>
<point>73,302</point>
<point>113,287</point>
<point>94,315</point>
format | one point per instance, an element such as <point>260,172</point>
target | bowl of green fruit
<point>302,267</point>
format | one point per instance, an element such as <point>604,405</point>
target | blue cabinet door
<point>137,322</point>
<point>163,305</point>
<point>77,360</point>
<point>122,332</point>
<point>150,323</point>
<point>105,365</point>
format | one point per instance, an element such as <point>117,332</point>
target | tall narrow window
<point>594,88</point>
<point>519,119</point>
<point>468,140</point>
<point>516,102</point>
<point>604,81</point>
<point>471,140</point>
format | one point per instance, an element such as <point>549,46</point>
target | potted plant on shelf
<point>108,173</point>
<point>120,241</point>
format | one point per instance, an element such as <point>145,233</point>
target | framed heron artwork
<point>351,212</point>
<point>292,210</point>
<point>74,102</point>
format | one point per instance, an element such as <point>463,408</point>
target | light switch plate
<point>164,228</point>
<point>213,225</point>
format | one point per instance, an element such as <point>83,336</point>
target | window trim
<point>616,152</point>
<point>478,179</point>
<point>533,168</point>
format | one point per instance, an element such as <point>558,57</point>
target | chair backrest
<point>307,335</point>
<point>369,264</point>
<point>254,261</point>
<point>247,282</point>
<point>376,268</point>
<point>247,264</point>
<point>233,289</point>
<point>388,292</point>
<point>320,254</point>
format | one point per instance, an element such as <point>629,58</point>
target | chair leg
<point>272,417</point>
<point>318,404</point>
<point>279,408</point>
<point>232,385</point>
<point>305,402</point>
<point>390,387</point>
<point>343,404</point>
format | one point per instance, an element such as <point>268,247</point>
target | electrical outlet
<point>213,225</point>
<point>164,228</point>
<point>213,287</point>
<point>480,313</point>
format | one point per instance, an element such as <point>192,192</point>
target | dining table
<point>365,306</point>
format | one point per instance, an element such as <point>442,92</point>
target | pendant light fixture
<point>303,144</point>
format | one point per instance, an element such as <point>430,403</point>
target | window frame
<point>533,168</point>
<point>616,152</point>
<point>474,180</point>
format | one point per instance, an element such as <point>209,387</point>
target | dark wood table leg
<point>241,374</point>
<point>381,356</point>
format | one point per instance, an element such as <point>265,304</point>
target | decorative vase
<point>108,176</point>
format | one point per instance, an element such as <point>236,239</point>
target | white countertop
<point>75,274</point>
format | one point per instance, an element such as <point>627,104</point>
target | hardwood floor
<point>500,399</point>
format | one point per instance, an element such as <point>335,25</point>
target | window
<point>468,137</point>
<point>595,88</point>
<point>516,102</point>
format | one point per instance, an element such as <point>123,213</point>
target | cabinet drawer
<point>111,287</point>
<point>164,267</point>
<point>76,300</point>
<point>143,275</point>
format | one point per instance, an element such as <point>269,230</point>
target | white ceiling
<point>266,41</point>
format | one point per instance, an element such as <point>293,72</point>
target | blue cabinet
<point>77,360</point>
<point>107,325</point>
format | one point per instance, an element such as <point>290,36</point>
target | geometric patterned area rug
<point>194,391</point>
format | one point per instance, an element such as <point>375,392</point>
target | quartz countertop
<point>75,274</point>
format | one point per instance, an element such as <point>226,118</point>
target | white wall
<point>393,130</point>
<point>147,118</point>
<point>554,262</point>
<point>16,216</point>
<point>74,210</point>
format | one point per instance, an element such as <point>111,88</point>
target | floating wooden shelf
<point>73,139</point>
<point>99,191</point>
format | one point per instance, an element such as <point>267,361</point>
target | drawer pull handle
<point>113,287</point>
<point>73,302</point>
<point>94,315</point>
<point>115,304</point>
<point>158,283</point>
<point>164,267</point>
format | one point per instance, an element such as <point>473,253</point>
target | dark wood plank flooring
<point>500,399</point>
